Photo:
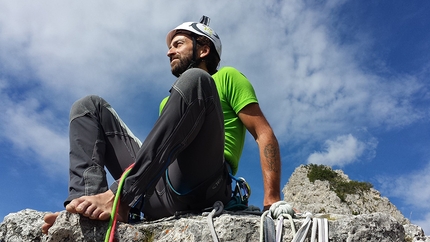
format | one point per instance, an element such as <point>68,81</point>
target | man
<point>183,164</point>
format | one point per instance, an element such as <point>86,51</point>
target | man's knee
<point>85,105</point>
<point>194,73</point>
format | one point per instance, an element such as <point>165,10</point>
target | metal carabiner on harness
<point>242,189</point>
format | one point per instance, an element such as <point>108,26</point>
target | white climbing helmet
<point>202,28</point>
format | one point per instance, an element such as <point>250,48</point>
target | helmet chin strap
<point>194,61</point>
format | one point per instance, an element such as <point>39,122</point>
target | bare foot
<point>49,221</point>
<point>98,207</point>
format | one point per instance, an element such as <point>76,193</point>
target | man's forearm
<point>270,159</point>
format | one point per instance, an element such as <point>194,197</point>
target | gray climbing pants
<point>180,165</point>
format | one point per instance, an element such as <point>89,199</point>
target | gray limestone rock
<point>22,226</point>
<point>318,197</point>
<point>25,226</point>
<point>365,216</point>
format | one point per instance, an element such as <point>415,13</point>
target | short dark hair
<point>212,60</point>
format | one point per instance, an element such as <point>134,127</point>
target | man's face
<point>180,53</point>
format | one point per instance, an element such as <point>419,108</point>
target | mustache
<point>174,58</point>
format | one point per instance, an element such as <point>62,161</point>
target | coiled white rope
<point>281,210</point>
<point>300,236</point>
<point>278,210</point>
<point>322,225</point>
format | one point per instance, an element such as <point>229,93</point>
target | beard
<point>181,66</point>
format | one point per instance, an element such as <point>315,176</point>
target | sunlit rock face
<point>360,216</point>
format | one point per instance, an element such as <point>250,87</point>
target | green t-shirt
<point>235,92</point>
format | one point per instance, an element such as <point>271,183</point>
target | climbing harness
<point>281,210</point>
<point>239,201</point>
<point>110,234</point>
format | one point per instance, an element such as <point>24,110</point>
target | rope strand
<point>110,234</point>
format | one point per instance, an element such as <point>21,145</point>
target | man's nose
<point>170,52</point>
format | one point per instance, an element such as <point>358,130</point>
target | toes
<point>45,228</point>
<point>79,205</point>
<point>82,207</point>
<point>89,211</point>
<point>104,216</point>
<point>50,218</point>
<point>72,207</point>
<point>94,207</point>
<point>100,214</point>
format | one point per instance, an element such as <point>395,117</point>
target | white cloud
<point>77,48</point>
<point>82,47</point>
<point>312,87</point>
<point>35,133</point>
<point>318,84</point>
<point>424,223</point>
<point>413,190</point>
<point>343,150</point>
<point>287,49</point>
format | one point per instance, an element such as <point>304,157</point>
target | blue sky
<point>343,83</point>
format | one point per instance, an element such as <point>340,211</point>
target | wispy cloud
<point>312,80</point>
<point>424,223</point>
<point>74,49</point>
<point>343,150</point>
<point>34,131</point>
<point>413,190</point>
<point>319,84</point>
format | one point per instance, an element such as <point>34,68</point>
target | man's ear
<point>204,51</point>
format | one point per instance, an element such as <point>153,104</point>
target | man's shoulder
<point>227,69</point>
<point>228,72</point>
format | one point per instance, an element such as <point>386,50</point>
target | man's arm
<point>255,122</point>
